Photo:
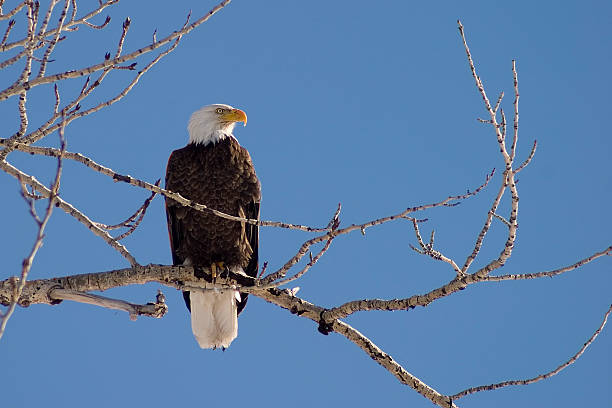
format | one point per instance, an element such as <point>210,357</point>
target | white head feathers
<point>213,123</point>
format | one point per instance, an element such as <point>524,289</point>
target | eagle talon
<point>324,327</point>
<point>213,269</point>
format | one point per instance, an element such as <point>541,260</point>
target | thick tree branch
<point>181,277</point>
<point>49,291</point>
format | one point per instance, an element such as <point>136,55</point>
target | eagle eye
<point>219,110</point>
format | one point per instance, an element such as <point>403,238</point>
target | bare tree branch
<point>391,365</point>
<point>516,112</point>
<point>453,286</point>
<point>449,201</point>
<point>14,11</point>
<point>9,27</point>
<point>69,209</point>
<point>17,88</point>
<point>70,111</point>
<point>157,309</point>
<point>427,249</point>
<point>42,292</point>
<point>555,272</point>
<point>37,291</point>
<point>540,377</point>
<point>508,175</point>
<point>528,159</point>
<point>182,277</point>
<point>54,41</point>
<point>52,152</point>
<point>71,25</point>
<point>42,224</point>
<point>134,220</point>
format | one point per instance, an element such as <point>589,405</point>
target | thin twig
<point>98,26</point>
<point>485,228</point>
<point>74,10</point>
<point>9,27</point>
<point>540,377</point>
<point>125,28</point>
<point>53,43</point>
<point>428,249</point>
<point>499,99</point>
<point>550,274</point>
<point>263,270</point>
<point>134,220</point>
<point>528,159</point>
<point>502,219</point>
<point>47,17</point>
<point>300,273</point>
<point>57,99</point>
<point>32,12</point>
<point>503,124</point>
<point>516,111</point>
<point>14,11</point>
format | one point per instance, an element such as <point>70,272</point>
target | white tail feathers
<point>214,318</point>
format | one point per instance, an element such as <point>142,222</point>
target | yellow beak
<point>235,115</point>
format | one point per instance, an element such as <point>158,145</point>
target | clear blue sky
<point>369,104</point>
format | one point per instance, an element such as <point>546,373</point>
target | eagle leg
<point>214,266</point>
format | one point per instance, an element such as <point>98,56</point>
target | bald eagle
<point>214,170</point>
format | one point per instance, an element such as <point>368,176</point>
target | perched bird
<point>214,170</point>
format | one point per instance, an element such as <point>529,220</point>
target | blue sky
<point>371,105</point>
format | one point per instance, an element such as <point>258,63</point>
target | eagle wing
<point>175,213</point>
<point>175,232</point>
<point>252,234</point>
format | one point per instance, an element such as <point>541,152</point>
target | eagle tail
<point>214,317</point>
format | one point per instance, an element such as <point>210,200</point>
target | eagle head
<point>213,123</point>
